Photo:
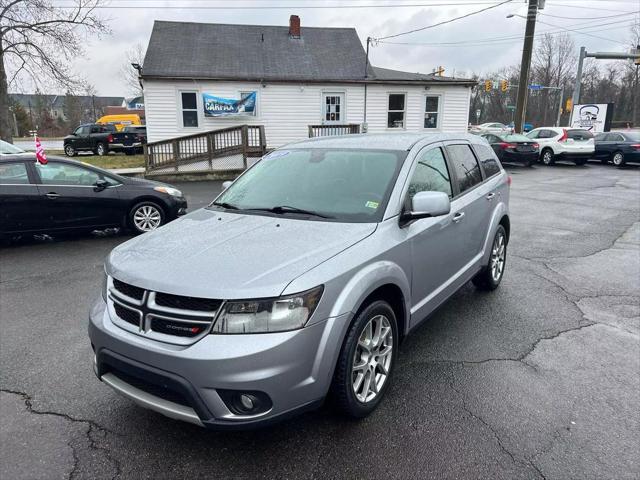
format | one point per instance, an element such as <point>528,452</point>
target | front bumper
<point>184,382</point>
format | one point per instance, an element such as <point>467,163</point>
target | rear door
<point>72,200</point>
<point>19,198</point>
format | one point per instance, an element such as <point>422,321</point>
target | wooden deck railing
<point>329,130</point>
<point>223,149</point>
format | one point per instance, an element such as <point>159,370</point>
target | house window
<point>333,108</point>
<point>431,111</point>
<point>189,109</point>
<point>251,106</point>
<point>395,113</point>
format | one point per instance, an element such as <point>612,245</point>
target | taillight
<point>636,146</point>
<point>509,180</point>
<point>505,145</point>
<point>110,138</point>
<point>564,136</point>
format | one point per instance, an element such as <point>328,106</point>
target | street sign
<point>511,108</point>
<point>533,86</point>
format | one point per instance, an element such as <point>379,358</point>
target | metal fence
<point>330,130</point>
<point>226,149</point>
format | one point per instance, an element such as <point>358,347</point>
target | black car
<point>513,148</point>
<point>619,148</point>
<point>65,195</point>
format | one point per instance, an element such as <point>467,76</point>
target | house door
<point>333,108</point>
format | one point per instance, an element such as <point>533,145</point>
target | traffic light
<point>504,85</point>
<point>488,85</point>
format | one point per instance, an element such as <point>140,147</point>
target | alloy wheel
<point>617,159</point>
<point>69,151</point>
<point>372,359</point>
<point>547,158</point>
<point>147,218</point>
<point>498,255</point>
<point>100,149</point>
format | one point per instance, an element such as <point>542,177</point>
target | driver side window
<point>66,174</point>
<point>431,174</point>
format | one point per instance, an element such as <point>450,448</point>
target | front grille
<point>187,303</point>
<point>179,329</point>
<point>128,290</point>
<point>151,388</point>
<point>126,314</point>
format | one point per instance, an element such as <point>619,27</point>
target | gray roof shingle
<point>259,52</point>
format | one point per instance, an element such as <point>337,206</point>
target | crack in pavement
<point>91,425</point>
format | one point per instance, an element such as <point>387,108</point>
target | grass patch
<point>110,161</point>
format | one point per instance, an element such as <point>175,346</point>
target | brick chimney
<point>294,26</point>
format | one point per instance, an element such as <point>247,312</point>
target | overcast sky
<point>104,56</point>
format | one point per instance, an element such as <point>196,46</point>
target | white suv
<point>558,143</point>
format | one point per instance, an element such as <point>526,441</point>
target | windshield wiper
<point>226,205</point>
<point>282,209</point>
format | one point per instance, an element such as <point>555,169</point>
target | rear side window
<point>466,166</point>
<point>13,173</point>
<point>488,159</point>
<point>431,174</point>
<point>579,134</point>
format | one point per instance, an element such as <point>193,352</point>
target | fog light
<point>247,401</point>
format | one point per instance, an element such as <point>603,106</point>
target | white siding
<point>286,110</point>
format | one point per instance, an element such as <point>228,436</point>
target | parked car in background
<point>513,148</point>
<point>100,139</point>
<point>526,127</point>
<point>619,148</point>
<point>120,121</point>
<point>300,280</point>
<point>7,148</point>
<point>140,131</point>
<point>65,195</point>
<point>499,128</point>
<point>556,143</point>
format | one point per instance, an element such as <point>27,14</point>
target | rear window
<point>466,166</point>
<point>579,134</point>
<point>13,173</point>
<point>516,138</point>
<point>488,159</point>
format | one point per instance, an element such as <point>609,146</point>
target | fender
<point>368,279</point>
<point>499,211</point>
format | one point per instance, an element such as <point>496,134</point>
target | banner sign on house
<point>593,117</point>
<point>225,107</point>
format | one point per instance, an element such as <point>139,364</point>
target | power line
<point>587,18</point>
<point>280,7</point>
<point>445,21</point>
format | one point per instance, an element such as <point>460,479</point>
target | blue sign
<point>224,107</point>
<point>533,86</point>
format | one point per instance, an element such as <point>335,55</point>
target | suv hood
<point>222,255</point>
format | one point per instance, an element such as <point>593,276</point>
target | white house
<point>199,77</point>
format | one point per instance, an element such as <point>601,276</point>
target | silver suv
<point>300,280</point>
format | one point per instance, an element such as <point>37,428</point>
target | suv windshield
<point>340,185</point>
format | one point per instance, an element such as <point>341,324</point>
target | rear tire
<point>490,276</point>
<point>618,159</point>
<point>547,157</point>
<point>101,149</point>
<point>359,381</point>
<point>146,217</point>
<point>69,151</point>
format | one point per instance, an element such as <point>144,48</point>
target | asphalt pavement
<point>539,379</point>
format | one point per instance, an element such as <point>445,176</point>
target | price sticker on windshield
<point>371,204</point>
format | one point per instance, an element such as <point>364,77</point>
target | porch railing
<point>217,150</point>
<point>330,130</point>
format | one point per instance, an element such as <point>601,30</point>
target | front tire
<point>69,151</point>
<point>491,275</point>
<point>146,217</point>
<point>364,367</point>
<point>547,157</point>
<point>618,159</point>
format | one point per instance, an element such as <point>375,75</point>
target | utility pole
<point>525,65</point>
<point>576,91</point>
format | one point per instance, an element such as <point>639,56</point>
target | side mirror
<point>101,184</point>
<point>427,204</point>
<point>226,184</point>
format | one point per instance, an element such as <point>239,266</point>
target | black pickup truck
<point>101,139</point>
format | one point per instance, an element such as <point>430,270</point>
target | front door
<point>72,199</point>
<point>333,108</point>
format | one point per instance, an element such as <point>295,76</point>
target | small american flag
<point>40,155</point>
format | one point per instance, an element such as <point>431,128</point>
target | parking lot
<point>538,379</point>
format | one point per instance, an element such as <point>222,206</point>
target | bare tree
<point>38,41</point>
<point>129,75</point>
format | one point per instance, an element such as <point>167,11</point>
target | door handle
<point>458,216</point>
<point>52,195</point>
<point>490,196</point>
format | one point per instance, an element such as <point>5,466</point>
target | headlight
<point>268,315</point>
<point>174,192</point>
